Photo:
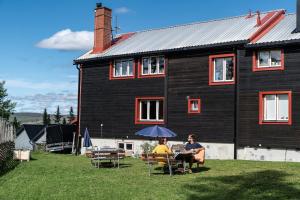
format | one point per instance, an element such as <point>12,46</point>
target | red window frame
<point>256,68</point>
<point>137,110</point>
<point>190,111</point>
<point>261,107</point>
<point>140,75</point>
<point>111,71</point>
<point>211,69</point>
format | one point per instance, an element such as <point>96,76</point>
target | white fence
<point>7,131</point>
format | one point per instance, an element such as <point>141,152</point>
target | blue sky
<point>39,73</point>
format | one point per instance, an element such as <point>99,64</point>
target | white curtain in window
<point>283,107</point>
<point>270,107</point>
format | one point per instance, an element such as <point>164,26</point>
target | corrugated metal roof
<point>283,31</point>
<point>197,34</point>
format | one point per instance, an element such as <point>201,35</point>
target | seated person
<point>161,148</point>
<point>194,147</point>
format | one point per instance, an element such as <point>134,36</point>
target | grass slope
<point>52,176</point>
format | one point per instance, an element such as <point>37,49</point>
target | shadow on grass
<point>111,165</point>
<point>175,171</point>
<point>7,165</point>
<point>264,185</point>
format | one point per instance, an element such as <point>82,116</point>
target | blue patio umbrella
<point>156,131</point>
<point>86,139</point>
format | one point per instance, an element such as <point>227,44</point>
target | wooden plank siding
<point>112,102</point>
<point>252,134</point>
<point>188,77</point>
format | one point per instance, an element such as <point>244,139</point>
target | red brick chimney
<point>102,32</point>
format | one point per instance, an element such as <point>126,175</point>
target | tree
<point>6,105</point>
<point>48,119</point>
<point>57,116</point>
<point>45,117</point>
<point>71,116</point>
<point>16,124</point>
<point>64,121</point>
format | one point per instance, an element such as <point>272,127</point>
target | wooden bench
<point>113,156</point>
<point>153,159</point>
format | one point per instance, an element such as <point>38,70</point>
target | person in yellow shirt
<point>161,148</point>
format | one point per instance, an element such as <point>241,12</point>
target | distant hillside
<point>31,118</point>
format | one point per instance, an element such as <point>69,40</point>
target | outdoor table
<point>111,154</point>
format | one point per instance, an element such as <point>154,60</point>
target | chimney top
<point>98,5</point>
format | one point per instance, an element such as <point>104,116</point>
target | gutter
<point>77,145</point>
<point>217,45</point>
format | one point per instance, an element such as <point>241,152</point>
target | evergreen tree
<point>48,119</point>
<point>64,121</point>
<point>6,105</point>
<point>45,117</point>
<point>57,116</point>
<point>71,116</point>
<point>16,124</point>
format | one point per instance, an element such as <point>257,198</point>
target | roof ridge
<point>202,22</point>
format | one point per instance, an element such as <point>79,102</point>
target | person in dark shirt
<point>194,147</point>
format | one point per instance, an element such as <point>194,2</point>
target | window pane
<point>283,107</point>
<point>275,58</point>
<point>195,106</point>
<point>218,69</point>
<point>153,110</point>
<point>153,65</point>
<point>161,65</point>
<point>118,69</point>
<point>229,68</point>
<point>263,58</point>
<point>270,107</point>
<point>121,145</point>
<point>144,110</point>
<point>124,68</point>
<point>130,67</point>
<point>128,146</point>
<point>145,65</point>
<point>161,110</point>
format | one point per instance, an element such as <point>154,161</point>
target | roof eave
<point>274,43</point>
<point>240,42</point>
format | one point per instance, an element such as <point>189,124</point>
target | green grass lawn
<point>52,176</point>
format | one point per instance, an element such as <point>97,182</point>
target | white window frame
<point>269,60</point>
<point>148,111</point>
<point>224,70</point>
<point>149,66</point>
<point>125,147</point>
<point>277,108</point>
<point>127,68</point>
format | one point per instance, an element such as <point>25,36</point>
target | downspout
<point>236,102</point>
<point>166,91</point>
<point>77,146</point>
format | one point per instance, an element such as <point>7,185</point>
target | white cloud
<point>37,102</point>
<point>68,40</point>
<point>22,84</point>
<point>122,10</point>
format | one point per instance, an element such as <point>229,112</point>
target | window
<point>221,69</point>
<point>268,60</point>
<point>194,106</point>
<point>149,110</point>
<point>275,107</point>
<point>126,146</point>
<point>122,69</point>
<point>152,67</point>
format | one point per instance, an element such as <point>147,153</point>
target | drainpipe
<point>236,102</point>
<point>78,110</point>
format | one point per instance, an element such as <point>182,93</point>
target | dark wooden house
<point>234,82</point>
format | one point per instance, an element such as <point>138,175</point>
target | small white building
<point>29,135</point>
